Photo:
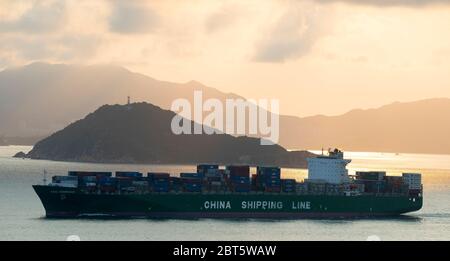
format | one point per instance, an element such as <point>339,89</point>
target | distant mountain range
<point>415,127</point>
<point>41,98</point>
<point>141,133</point>
<point>38,99</point>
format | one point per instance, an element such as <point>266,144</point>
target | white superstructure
<point>329,169</point>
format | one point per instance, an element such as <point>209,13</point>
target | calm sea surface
<point>22,215</point>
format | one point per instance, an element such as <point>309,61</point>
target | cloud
<point>42,17</point>
<point>293,36</point>
<point>78,47</point>
<point>131,17</point>
<point>388,3</point>
<point>222,18</point>
<point>65,48</point>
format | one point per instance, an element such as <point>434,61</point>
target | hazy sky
<point>317,57</point>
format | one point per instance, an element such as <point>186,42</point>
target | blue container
<point>214,178</point>
<point>268,170</point>
<point>241,188</point>
<point>161,183</point>
<point>192,187</point>
<point>239,178</point>
<point>128,174</point>
<point>161,189</point>
<point>288,181</point>
<point>107,181</point>
<point>89,173</point>
<point>192,175</point>
<point>175,180</point>
<point>241,183</point>
<point>272,183</point>
<point>204,168</point>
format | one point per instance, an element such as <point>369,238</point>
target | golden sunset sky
<point>316,57</point>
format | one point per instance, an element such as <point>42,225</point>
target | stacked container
<point>254,182</point>
<point>89,183</point>
<point>206,168</point>
<point>239,178</point>
<point>333,189</point>
<point>175,184</point>
<point>316,187</point>
<point>160,181</point>
<point>65,181</point>
<point>414,182</point>
<point>192,182</point>
<point>288,185</point>
<point>395,184</point>
<point>89,173</point>
<point>124,184</point>
<point>373,181</point>
<point>268,179</point>
<point>370,175</point>
<point>194,175</point>
<point>302,188</point>
<point>140,184</point>
<point>214,180</point>
<point>128,174</point>
<point>107,184</point>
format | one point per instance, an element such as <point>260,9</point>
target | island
<point>141,133</point>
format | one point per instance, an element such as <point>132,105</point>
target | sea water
<point>22,216</point>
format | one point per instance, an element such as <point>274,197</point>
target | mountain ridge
<point>141,133</point>
<point>28,102</point>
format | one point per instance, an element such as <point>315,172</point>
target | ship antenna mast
<point>44,180</point>
<point>128,103</point>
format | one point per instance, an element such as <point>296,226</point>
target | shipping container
<point>394,180</point>
<point>154,175</point>
<point>107,189</point>
<point>192,175</point>
<point>89,173</point>
<point>160,189</point>
<point>192,187</point>
<point>240,179</point>
<point>273,189</point>
<point>191,180</point>
<point>65,181</point>
<point>413,180</point>
<point>268,171</point>
<point>370,175</point>
<point>238,170</point>
<point>207,168</point>
<point>128,174</point>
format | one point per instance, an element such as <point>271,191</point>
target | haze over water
<point>22,214</point>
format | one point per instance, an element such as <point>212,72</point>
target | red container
<point>243,171</point>
<point>394,180</point>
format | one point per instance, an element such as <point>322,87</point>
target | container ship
<point>232,191</point>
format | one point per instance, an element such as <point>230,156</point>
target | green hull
<point>68,202</point>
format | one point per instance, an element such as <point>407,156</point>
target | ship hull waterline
<point>60,202</point>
